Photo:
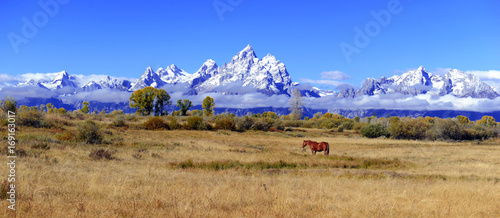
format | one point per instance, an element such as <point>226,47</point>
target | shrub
<point>358,125</point>
<point>418,128</point>
<point>119,121</point>
<point>89,133</point>
<point>398,130</point>
<point>155,123</point>
<point>340,129</point>
<point>479,132</point>
<point>131,117</point>
<point>31,117</point>
<point>374,130</point>
<point>196,123</point>
<point>65,136</point>
<point>348,124</point>
<point>432,134</point>
<point>449,129</point>
<point>61,111</point>
<point>410,129</point>
<point>9,104</point>
<point>293,123</point>
<point>224,122</point>
<point>244,123</point>
<point>279,125</point>
<point>116,112</point>
<point>174,124</point>
<point>487,121</point>
<point>99,154</point>
<point>328,123</point>
<point>262,124</point>
<point>79,115</point>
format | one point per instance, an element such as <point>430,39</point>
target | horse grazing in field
<point>315,146</point>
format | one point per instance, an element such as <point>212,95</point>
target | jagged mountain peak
<point>63,75</point>
<point>269,58</point>
<point>173,68</point>
<point>419,81</point>
<point>246,54</point>
<point>209,62</point>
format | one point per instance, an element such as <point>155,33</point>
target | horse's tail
<point>327,148</point>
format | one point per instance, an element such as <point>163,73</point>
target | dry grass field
<point>181,173</point>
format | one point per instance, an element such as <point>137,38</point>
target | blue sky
<point>122,38</point>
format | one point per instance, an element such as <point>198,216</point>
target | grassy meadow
<point>220,173</point>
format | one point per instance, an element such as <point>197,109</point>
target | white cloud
<point>334,75</point>
<point>23,92</point>
<point>38,76</point>
<point>323,82</point>
<point>440,71</point>
<point>101,95</point>
<point>6,78</point>
<point>489,74</point>
<point>405,102</point>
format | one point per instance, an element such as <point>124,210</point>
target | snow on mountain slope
<point>463,85</point>
<point>148,78</point>
<point>172,74</point>
<point>206,71</point>
<point>246,73</point>
<point>419,81</point>
<point>107,83</point>
<point>266,75</point>
<point>62,80</point>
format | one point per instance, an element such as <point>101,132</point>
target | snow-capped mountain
<point>206,71</point>
<point>463,85</point>
<point>246,73</point>
<point>148,78</point>
<point>172,74</point>
<point>419,81</point>
<point>31,82</point>
<point>107,83</point>
<point>267,75</point>
<point>62,80</point>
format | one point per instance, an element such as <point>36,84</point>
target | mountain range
<point>246,73</point>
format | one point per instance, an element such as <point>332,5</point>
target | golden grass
<point>437,179</point>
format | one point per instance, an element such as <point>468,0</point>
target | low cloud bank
<point>256,99</point>
<point>100,95</point>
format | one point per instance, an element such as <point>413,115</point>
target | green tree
<point>9,104</point>
<point>327,115</point>
<point>463,119</point>
<point>196,113</point>
<point>208,106</point>
<point>49,108</point>
<point>143,100</point>
<point>62,111</point>
<point>487,121</point>
<point>184,105</point>
<point>162,100</point>
<point>149,98</point>
<point>85,107</point>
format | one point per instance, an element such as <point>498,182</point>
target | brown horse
<point>315,146</point>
